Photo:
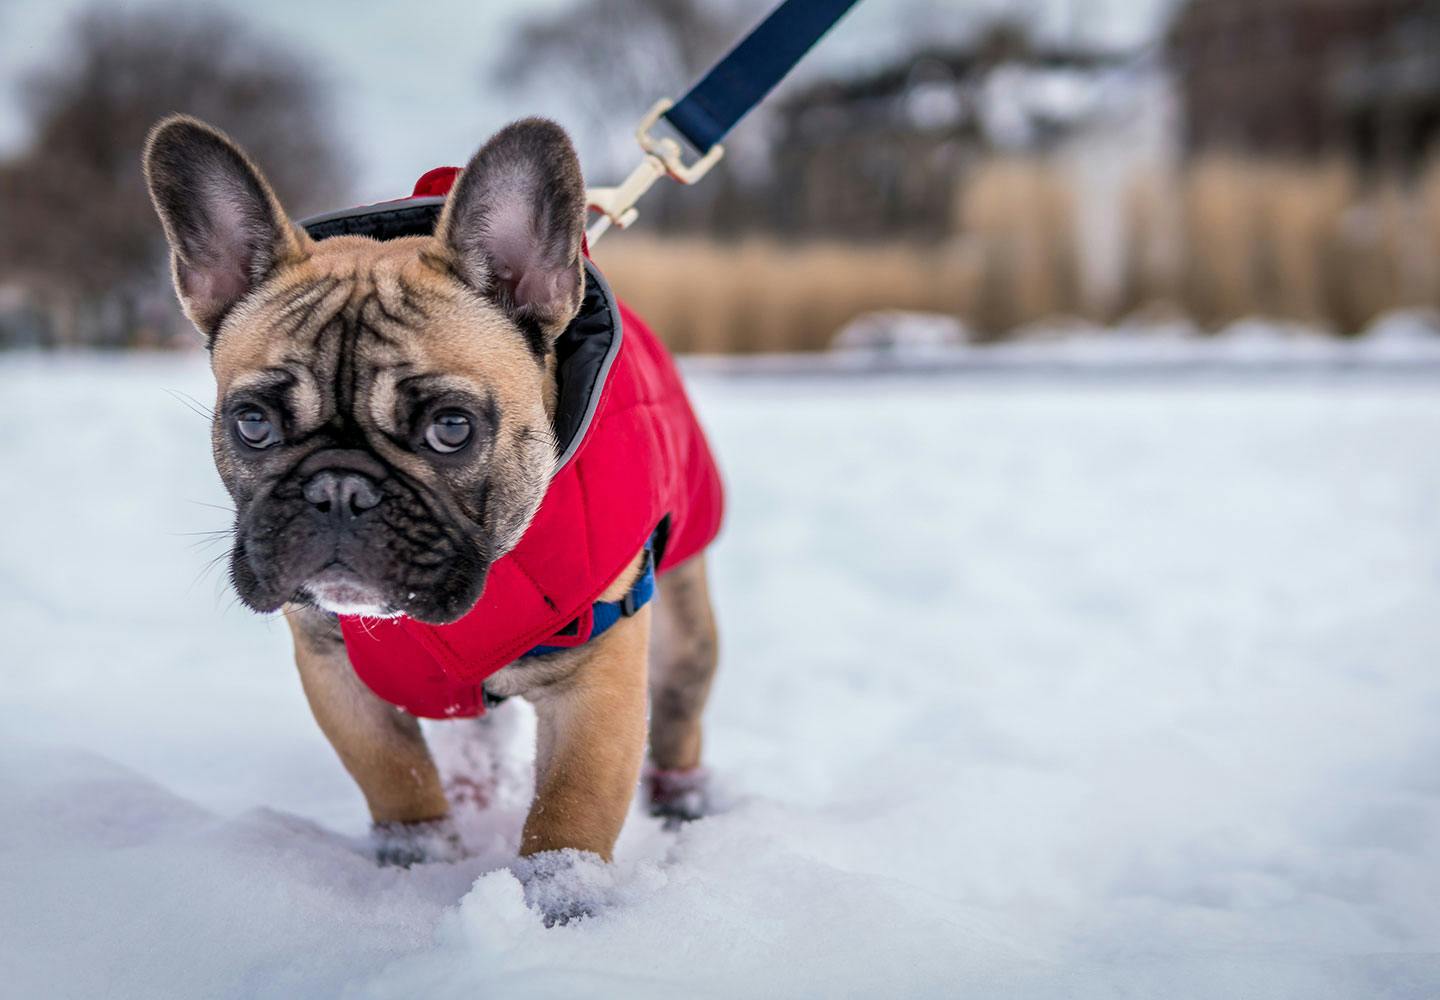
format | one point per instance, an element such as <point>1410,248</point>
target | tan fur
<point>412,314</point>
<point>464,336</point>
<point>591,710</point>
<point>381,746</point>
<point>592,742</point>
<point>591,703</point>
<point>683,657</point>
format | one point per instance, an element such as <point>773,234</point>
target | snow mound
<point>1030,689</point>
<point>901,333</point>
<point>1400,342</point>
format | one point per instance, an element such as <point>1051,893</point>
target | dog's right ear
<point>226,228</point>
<point>514,222</point>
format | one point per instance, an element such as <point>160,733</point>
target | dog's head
<point>381,416</point>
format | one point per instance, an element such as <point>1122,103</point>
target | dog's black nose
<point>341,494</point>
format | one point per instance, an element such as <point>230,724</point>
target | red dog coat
<point>634,460</point>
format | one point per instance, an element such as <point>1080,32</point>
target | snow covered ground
<point>1403,343</point>
<point>1030,689</point>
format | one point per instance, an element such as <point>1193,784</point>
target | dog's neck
<point>551,388</point>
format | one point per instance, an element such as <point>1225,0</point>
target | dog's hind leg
<point>381,746</point>
<point>683,657</point>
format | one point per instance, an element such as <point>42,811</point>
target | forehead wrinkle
<point>297,305</point>
<point>390,289</point>
<point>359,308</point>
<point>306,402</point>
<point>384,365</point>
<point>381,401</point>
<point>458,334</point>
<point>261,378</point>
<point>324,311</point>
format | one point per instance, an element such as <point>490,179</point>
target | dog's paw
<point>400,845</point>
<point>678,796</point>
<point>564,886</point>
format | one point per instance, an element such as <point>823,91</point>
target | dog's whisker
<point>207,569</point>
<point>299,606</point>
<point>212,506</point>
<point>192,404</point>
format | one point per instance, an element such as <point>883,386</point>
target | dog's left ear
<point>513,223</point>
<point>226,228</point>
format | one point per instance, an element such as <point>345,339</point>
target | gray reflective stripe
<point>592,273</point>
<point>360,213</point>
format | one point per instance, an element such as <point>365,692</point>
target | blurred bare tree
<point>79,236</point>
<point>621,55</point>
<point>877,151</point>
<point>617,57</point>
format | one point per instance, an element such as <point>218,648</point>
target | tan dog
<point>317,349</point>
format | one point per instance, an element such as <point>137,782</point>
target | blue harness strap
<point>751,70</point>
<point>605,614</point>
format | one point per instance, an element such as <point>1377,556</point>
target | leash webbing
<point>751,70</point>
<point>707,113</point>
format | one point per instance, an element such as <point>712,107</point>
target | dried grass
<point>1220,240</point>
<point>758,296</point>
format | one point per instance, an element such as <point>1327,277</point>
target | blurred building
<point>885,153</point>
<point>1308,78</point>
<point>21,323</point>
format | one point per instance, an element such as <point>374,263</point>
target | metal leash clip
<point>663,158</point>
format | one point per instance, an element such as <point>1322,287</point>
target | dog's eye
<point>449,431</point>
<point>255,428</point>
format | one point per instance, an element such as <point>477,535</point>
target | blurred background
<point>1073,368</point>
<point>940,172</point>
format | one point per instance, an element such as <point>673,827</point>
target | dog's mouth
<point>339,590</point>
<point>375,573</point>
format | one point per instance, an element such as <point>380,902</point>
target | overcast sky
<point>408,78</point>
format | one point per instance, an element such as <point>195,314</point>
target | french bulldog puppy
<point>383,422</point>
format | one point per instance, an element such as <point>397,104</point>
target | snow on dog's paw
<point>400,845</point>
<point>678,796</point>
<point>565,886</point>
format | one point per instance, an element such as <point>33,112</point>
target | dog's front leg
<point>591,740</point>
<point>591,743</point>
<point>380,745</point>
